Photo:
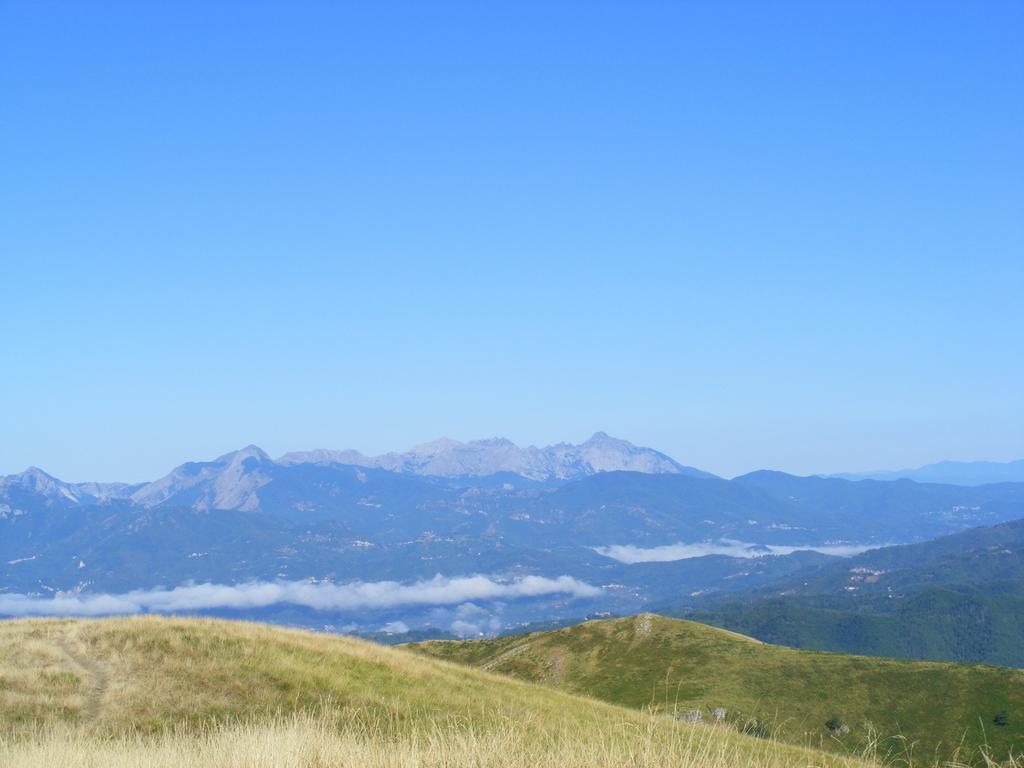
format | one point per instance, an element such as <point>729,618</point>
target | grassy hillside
<point>174,692</point>
<point>684,668</point>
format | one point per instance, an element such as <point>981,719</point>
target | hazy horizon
<point>275,454</point>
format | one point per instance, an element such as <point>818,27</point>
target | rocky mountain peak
<point>248,452</point>
<point>446,457</point>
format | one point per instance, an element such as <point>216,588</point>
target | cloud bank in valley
<point>630,554</point>
<point>472,620</point>
<point>439,590</point>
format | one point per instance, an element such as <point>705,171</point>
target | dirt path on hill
<point>509,654</point>
<point>95,676</point>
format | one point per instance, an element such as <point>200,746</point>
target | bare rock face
<point>228,482</point>
<point>602,453</point>
<point>479,458</point>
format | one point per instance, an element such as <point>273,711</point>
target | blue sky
<point>784,235</point>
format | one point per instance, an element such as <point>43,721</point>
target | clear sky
<point>767,234</point>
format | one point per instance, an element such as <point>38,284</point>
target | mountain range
<point>232,481</point>
<point>482,458</point>
<point>950,473</point>
<point>631,525</point>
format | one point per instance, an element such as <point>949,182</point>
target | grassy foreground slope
<point>685,668</point>
<point>185,692</point>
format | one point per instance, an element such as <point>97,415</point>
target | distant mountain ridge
<point>245,517</point>
<point>950,473</point>
<point>481,458</point>
<point>36,484</point>
<point>232,481</point>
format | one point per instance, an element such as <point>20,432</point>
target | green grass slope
<point>205,692</point>
<point>684,667</point>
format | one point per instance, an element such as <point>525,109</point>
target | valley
<point>670,538</point>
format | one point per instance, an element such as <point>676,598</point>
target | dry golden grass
<point>306,741</point>
<point>175,692</point>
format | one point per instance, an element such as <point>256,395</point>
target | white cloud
<point>629,554</point>
<point>471,611</point>
<point>466,628</point>
<point>396,627</point>
<point>439,590</point>
<point>836,550</point>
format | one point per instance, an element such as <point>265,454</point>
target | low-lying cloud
<point>439,590</point>
<point>630,554</point>
<point>472,620</point>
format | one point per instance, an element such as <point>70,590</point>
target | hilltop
<point>201,692</point>
<point>692,670</point>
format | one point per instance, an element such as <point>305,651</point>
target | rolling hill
<point>699,673</point>
<point>173,692</point>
